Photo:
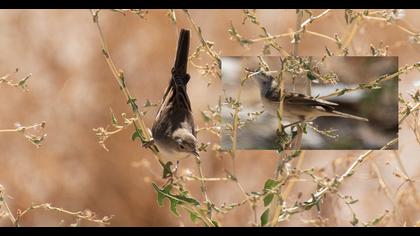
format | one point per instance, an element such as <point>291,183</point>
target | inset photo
<point>334,103</point>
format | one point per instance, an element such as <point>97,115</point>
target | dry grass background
<point>72,90</point>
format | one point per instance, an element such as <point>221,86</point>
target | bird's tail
<point>180,77</point>
<point>348,116</point>
<point>179,71</point>
<point>176,91</point>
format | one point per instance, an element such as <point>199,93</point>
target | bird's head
<point>264,79</point>
<point>185,142</point>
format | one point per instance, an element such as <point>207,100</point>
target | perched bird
<point>297,107</point>
<point>173,130</point>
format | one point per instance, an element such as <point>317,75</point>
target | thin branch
<point>372,83</point>
<point>337,181</point>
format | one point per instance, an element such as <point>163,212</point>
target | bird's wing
<point>302,99</point>
<point>297,98</point>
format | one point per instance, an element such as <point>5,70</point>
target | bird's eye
<point>181,146</point>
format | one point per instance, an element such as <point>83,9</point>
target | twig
<point>80,215</point>
<point>119,77</point>
<point>386,189</point>
<point>372,83</point>
<point>22,83</point>
<point>337,181</point>
<point>206,45</point>
<point>83,215</point>
<point>34,139</point>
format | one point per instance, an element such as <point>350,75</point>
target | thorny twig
<point>79,215</point>
<point>374,83</point>
<point>22,83</point>
<point>208,47</point>
<point>36,139</point>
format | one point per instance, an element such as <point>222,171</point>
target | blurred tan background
<point>72,90</point>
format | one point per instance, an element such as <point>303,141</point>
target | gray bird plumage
<point>174,130</point>
<point>297,107</point>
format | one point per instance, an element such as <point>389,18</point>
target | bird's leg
<point>148,143</point>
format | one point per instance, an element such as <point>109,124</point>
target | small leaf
<point>215,224</point>
<point>161,193</point>
<point>136,134</point>
<point>132,103</point>
<point>354,221</point>
<point>311,76</point>
<point>167,170</point>
<point>267,199</point>
<point>353,201</point>
<point>113,118</point>
<point>264,217</point>
<point>23,81</point>
<point>188,199</point>
<point>193,217</point>
<point>270,184</point>
<point>174,204</point>
<point>377,220</point>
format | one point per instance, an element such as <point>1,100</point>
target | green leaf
<point>270,184</point>
<point>136,134</point>
<point>174,200</point>
<point>304,129</point>
<point>188,199</point>
<point>113,118</point>
<point>23,81</point>
<point>162,193</point>
<point>311,76</point>
<point>174,204</point>
<point>193,216</point>
<point>267,199</point>
<point>215,223</point>
<point>160,198</point>
<point>264,217</point>
<point>167,169</point>
<point>377,220</point>
<point>132,103</point>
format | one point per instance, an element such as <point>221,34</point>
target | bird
<point>173,130</point>
<point>297,107</point>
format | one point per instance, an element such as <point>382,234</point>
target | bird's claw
<point>172,175</point>
<point>149,143</point>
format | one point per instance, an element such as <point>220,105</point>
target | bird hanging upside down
<point>173,130</point>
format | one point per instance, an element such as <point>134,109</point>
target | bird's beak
<point>254,73</point>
